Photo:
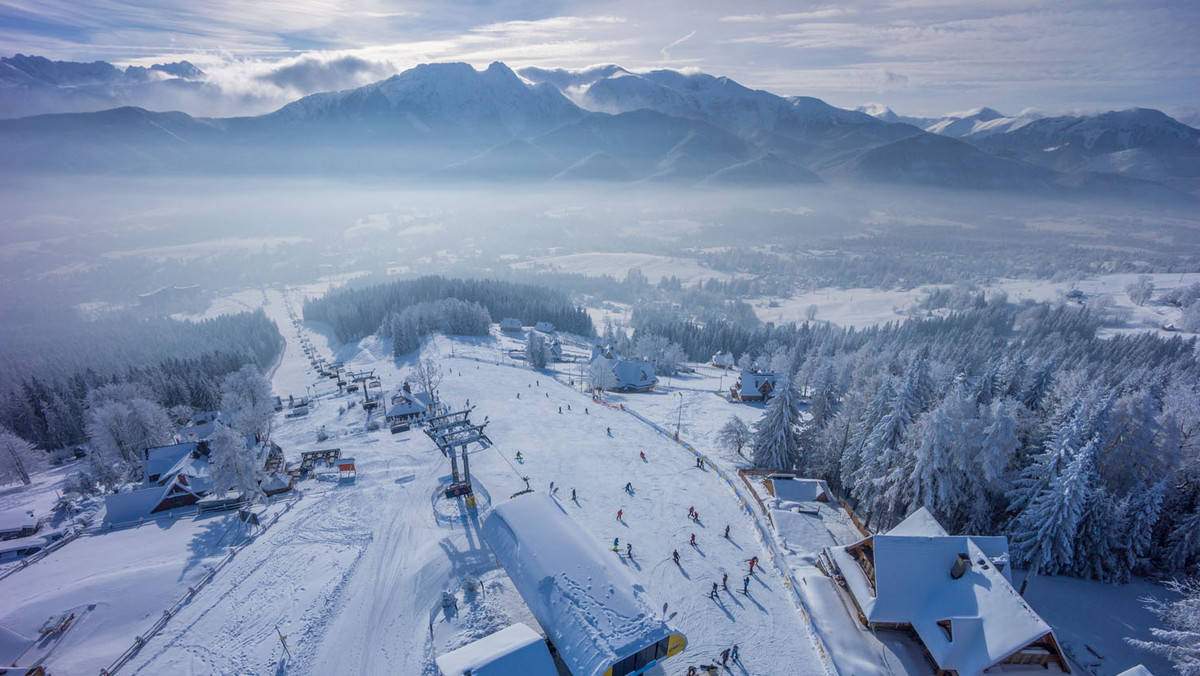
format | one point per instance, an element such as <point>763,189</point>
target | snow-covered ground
<point>617,265</point>
<point>353,574</point>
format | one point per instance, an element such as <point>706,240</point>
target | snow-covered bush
<point>1179,638</point>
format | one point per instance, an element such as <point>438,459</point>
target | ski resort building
<point>754,386</point>
<point>510,324</point>
<point>556,350</point>
<point>628,375</point>
<point>408,405</point>
<point>544,327</point>
<point>582,597</point>
<point>512,651</point>
<point>953,592</point>
<point>723,360</point>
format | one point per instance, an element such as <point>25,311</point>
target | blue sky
<point>916,56</point>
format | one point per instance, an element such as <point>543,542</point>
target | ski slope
<point>353,574</point>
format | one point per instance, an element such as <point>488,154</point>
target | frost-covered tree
<point>17,457</point>
<point>1141,289</point>
<point>777,432</point>
<point>600,375</point>
<point>234,465</point>
<point>537,353</point>
<point>120,428</point>
<point>1043,535</point>
<point>246,398</point>
<point>1179,638</point>
<point>734,434</point>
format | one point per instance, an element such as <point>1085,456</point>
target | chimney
<point>961,564</point>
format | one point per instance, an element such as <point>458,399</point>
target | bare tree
<point>427,374</point>
<point>734,434</point>
<point>810,312</point>
<point>600,375</point>
<point>1141,290</point>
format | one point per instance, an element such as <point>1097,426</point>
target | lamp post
<point>679,420</point>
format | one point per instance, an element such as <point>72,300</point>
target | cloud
<point>312,73</point>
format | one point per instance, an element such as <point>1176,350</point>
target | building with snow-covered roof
<point>628,375</point>
<point>407,405</point>
<point>954,592</point>
<point>754,386</point>
<point>544,327</point>
<point>556,350</point>
<point>585,601</point>
<point>510,324</point>
<point>512,651</point>
<point>723,360</point>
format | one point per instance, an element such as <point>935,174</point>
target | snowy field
<point>617,265</point>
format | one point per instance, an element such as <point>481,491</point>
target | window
<point>948,628</point>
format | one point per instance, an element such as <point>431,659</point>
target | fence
<point>140,641</point>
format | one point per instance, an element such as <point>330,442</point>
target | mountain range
<point>449,121</point>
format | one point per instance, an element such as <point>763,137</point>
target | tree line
<point>177,365</point>
<point>360,311</point>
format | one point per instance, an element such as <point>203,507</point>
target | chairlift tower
<point>451,432</point>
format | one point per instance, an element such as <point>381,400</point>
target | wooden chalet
<point>953,592</point>
<point>510,324</point>
<point>723,360</point>
<point>754,386</point>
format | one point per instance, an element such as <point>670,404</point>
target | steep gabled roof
<point>984,619</point>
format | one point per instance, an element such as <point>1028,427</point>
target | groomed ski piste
<point>352,574</point>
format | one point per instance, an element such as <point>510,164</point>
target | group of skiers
<point>726,655</point>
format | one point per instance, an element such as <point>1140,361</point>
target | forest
<point>999,418</point>
<point>177,365</point>
<point>355,312</point>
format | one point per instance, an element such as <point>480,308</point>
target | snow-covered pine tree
<point>1043,535</point>
<point>853,458</point>
<point>777,432</point>
<point>537,354</point>
<point>234,465</point>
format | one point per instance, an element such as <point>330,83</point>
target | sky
<point>919,57</point>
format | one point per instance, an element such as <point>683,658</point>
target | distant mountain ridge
<point>450,121</point>
<point>31,85</point>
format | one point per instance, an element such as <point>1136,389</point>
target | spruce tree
<point>777,432</point>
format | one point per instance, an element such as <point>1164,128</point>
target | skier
<point>518,395</point>
<point>746,586</point>
<point>539,383</point>
<point>619,513</point>
<point>692,671</point>
<point>691,510</point>
<point>726,531</point>
<point>734,653</point>
<point>573,495</point>
<point>560,410</point>
<point>616,544</point>
<point>724,657</point>
<point>585,411</point>
<point>629,487</point>
<point>725,581</point>
<point>693,539</point>
<point>609,430</point>
<point>713,594</point>
<point>519,456</point>
<point>547,395</point>
<point>643,454</point>
<point>629,549</point>
<point>568,407</point>
<point>753,562</point>
<point>696,517</point>
<point>675,555</point>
